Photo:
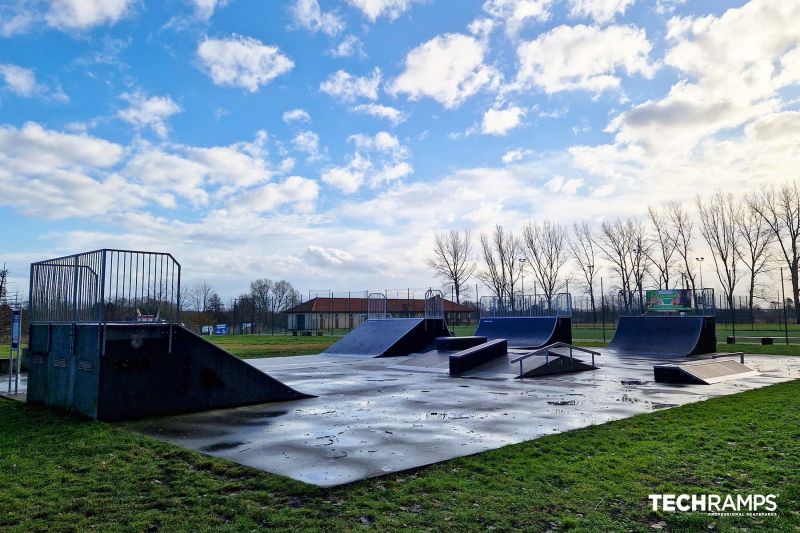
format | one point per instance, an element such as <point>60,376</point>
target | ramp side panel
<point>481,354</point>
<point>665,336</point>
<point>140,377</point>
<point>527,332</point>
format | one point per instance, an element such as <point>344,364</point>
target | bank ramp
<point>702,372</point>
<point>527,333</point>
<point>126,371</point>
<point>390,337</point>
<point>664,336</point>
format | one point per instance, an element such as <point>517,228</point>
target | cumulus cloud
<point>512,156</point>
<point>347,87</point>
<point>308,143</point>
<point>297,192</point>
<point>449,68</point>
<point>84,14</point>
<point>296,115</point>
<point>204,9</point>
<point>374,9</point>
<point>732,67</point>
<point>22,82</point>
<point>395,116</point>
<point>500,121</point>
<point>583,58</point>
<point>242,62</point>
<point>308,15</point>
<point>515,13</point>
<point>601,11</point>
<point>377,160</point>
<point>152,112</point>
<point>349,46</point>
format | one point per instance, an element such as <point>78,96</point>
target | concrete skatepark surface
<point>372,417</point>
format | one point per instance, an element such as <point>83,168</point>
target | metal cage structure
<point>434,304</point>
<point>106,285</point>
<point>526,306</point>
<point>376,306</point>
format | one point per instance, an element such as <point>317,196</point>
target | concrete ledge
<point>477,355</point>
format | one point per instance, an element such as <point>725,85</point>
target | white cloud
<point>378,160</point>
<point>449,68</point>
<point>84,14</point>
<point>348,47</point>
<point>481,27</point>
<point>395,116</point>
<point>204,9</point>
<point>299,193</point>
<point>516,13</point>
<point>560,184</point>
<point>296,115</point>
<point>733,68</point>
<point>22,82</point>
<point>583,58</point>
<point>327,257</point>
<point>152,112</point>
<point>374,9</point>
<point>346,87</point>
<point>601,11</point>
<point>308,143</point>
<point>307,14</point>
<point>242,62</point>
<point>500,121</point>
<point>512,156</point>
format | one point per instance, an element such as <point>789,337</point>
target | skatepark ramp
<point>390,337</point>
<point>526,332</point>
<point>664,336</point>
<point>702,372</point>
<point>106,342</point>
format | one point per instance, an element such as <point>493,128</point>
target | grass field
<point>62,474</point>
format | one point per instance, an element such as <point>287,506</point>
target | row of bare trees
<point>747,236</point>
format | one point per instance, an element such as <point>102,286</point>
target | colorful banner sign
<point>16,327</point>
<point>669,300</point>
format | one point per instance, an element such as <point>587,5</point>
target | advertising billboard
<point>675,300</point>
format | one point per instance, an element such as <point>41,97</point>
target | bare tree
<point>662,247</point>
<point>756,238</point>
<point>583,251</point>
<point>501,254</point>
<point>718,216</point>
<point>780,209</point>
<point>452,259</point>
<point>682,230</point>
<point>545,246</point>
<point>614,244</point>
<point>624,245</point>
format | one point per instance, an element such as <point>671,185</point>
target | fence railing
<point>526,306</point>
<point>106,286</point>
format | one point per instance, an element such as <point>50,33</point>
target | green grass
<point>256,346</point>
<point>62,474</point>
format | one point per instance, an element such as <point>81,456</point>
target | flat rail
<point>547,349</point>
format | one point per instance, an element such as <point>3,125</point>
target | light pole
<point>522,272</point>
<point>700,260</point>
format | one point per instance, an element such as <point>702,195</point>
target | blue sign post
<point>16,326</point>
<point>221,329</point>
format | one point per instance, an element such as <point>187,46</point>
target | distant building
<point>348,313</point>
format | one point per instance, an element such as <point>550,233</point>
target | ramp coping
<point>546,350</point>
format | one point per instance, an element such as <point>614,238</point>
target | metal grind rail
<point>547,349</point>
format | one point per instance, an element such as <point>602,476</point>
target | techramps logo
<point>716,504</point>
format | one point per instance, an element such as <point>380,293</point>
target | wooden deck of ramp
<point>702,372</point>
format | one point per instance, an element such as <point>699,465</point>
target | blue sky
<point>326,142</point>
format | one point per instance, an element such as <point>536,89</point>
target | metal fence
<point>526,306</point>
<point>106,286</point>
